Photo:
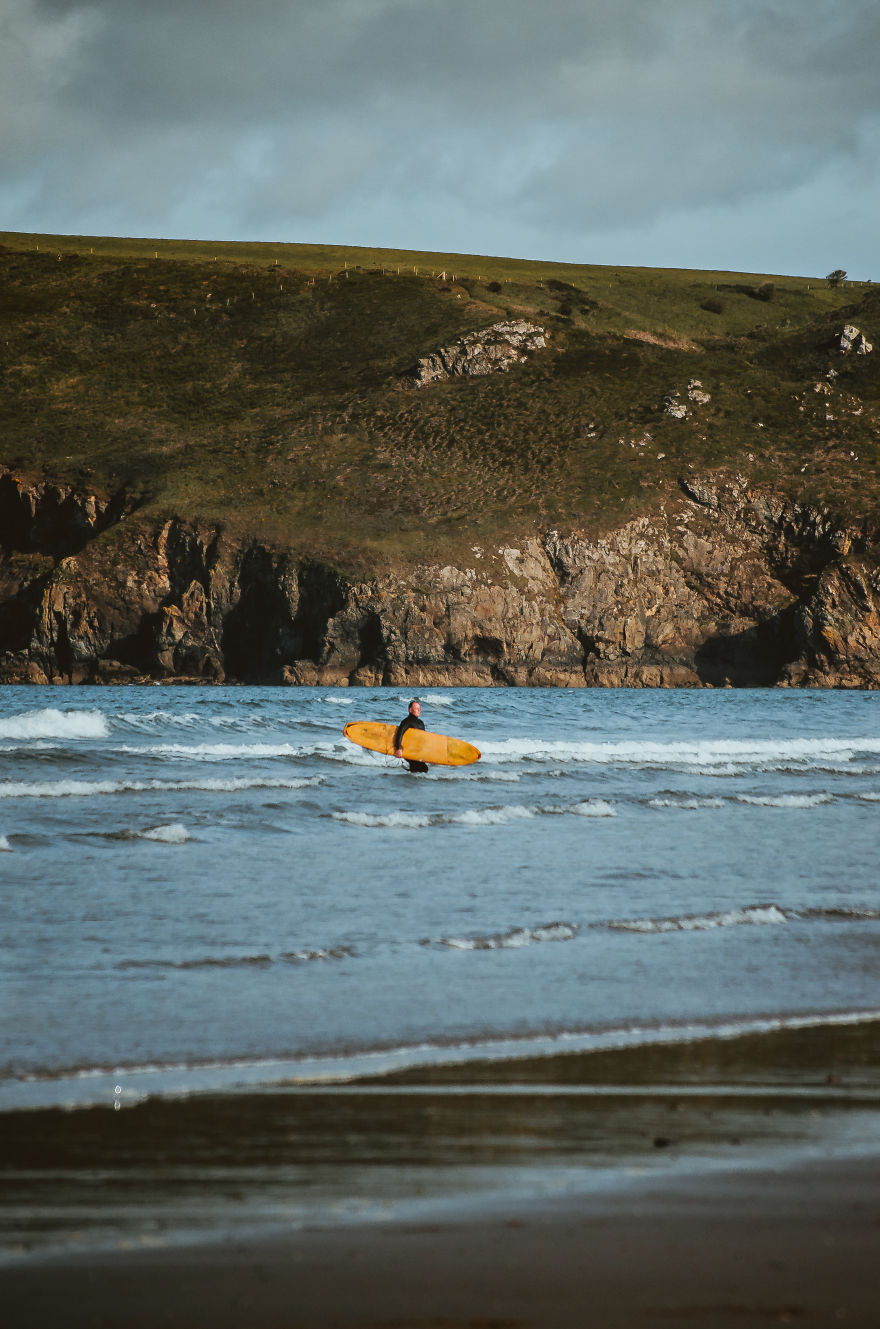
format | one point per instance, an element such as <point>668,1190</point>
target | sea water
<point>209,888</point>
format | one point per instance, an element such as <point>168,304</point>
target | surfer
<point>410,721</point>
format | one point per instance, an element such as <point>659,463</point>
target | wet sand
<point>799,1246</point>
<point>719,1184</point>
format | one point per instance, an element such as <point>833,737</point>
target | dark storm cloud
<point>490,125</point>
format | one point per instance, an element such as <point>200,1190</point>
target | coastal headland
<point>304,465</point>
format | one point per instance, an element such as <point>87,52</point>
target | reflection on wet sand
<point>420,1141</point>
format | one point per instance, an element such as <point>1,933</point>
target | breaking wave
<point>175,833</point>
<point>494,816</point>
<point>5,846</point>
<point>721,756</point>
<point>489,816</point>
<point>759,915</point>
<point>259,961</point>
<point>151,720</point>
<point>513,939</point>
<point>407,820</point>
<point>242,720</point>
<point>85,788</point>
<point>214,751</point>
<point>784,800</point>
<point>694,802</point>
<point>49,723</point>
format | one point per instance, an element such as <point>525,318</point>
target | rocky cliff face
<point>725,585</point>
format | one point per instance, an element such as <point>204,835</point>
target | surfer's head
<point>415,708</point>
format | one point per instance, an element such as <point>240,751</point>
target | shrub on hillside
<point>713,306</point>
<point>765,291</point>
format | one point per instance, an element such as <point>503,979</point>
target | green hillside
<point>262,386</point>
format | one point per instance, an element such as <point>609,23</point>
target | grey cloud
<point>558,119</point>
<point>166,60</point>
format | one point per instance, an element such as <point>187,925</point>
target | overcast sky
<point>738,134</point>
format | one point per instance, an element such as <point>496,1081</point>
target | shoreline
<point>776,1245</point>
<point>497,1059</point>
<point>479,1175</point>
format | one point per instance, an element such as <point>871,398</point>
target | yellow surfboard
<point>418,744</point>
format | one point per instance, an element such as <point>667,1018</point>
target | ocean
<point>211,892</point>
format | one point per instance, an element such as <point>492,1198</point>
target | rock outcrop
<point>50,518</point>
<point>489,351</point>
<point>678,409</point>
<point>727,585</point>
<point>852,339</point>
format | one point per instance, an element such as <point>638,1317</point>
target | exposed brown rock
<point>728,585</point>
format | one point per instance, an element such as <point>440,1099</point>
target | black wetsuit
<point>410,722</point>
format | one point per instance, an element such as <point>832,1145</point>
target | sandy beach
<point>731,1181</point>
<point>790,1246</point>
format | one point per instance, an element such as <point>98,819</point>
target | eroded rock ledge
<point>727,585</point>
<point>489,351</point>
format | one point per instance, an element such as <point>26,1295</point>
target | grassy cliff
<point>261,386</point>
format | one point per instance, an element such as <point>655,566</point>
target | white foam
<point>869,797</point>
<point>5,846</point>
<point>555,932</point>
<point>85,788</point>
<point>513,939</point>
<point>338,701</point>
<point>410,821</point>
<point>784,800</point>
<point>694,802</point>
<point>495,816</point>
<point>730,755</point>
<point>323,953</point>
<point>440,700</point>
<point>176,833</point>
<point>49,723</point>
<point>757,915</point>
<point>489,816</point>
<point>213,751</point>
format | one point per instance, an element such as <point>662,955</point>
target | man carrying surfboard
<point>410,721</point>
<point>423,749</point>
